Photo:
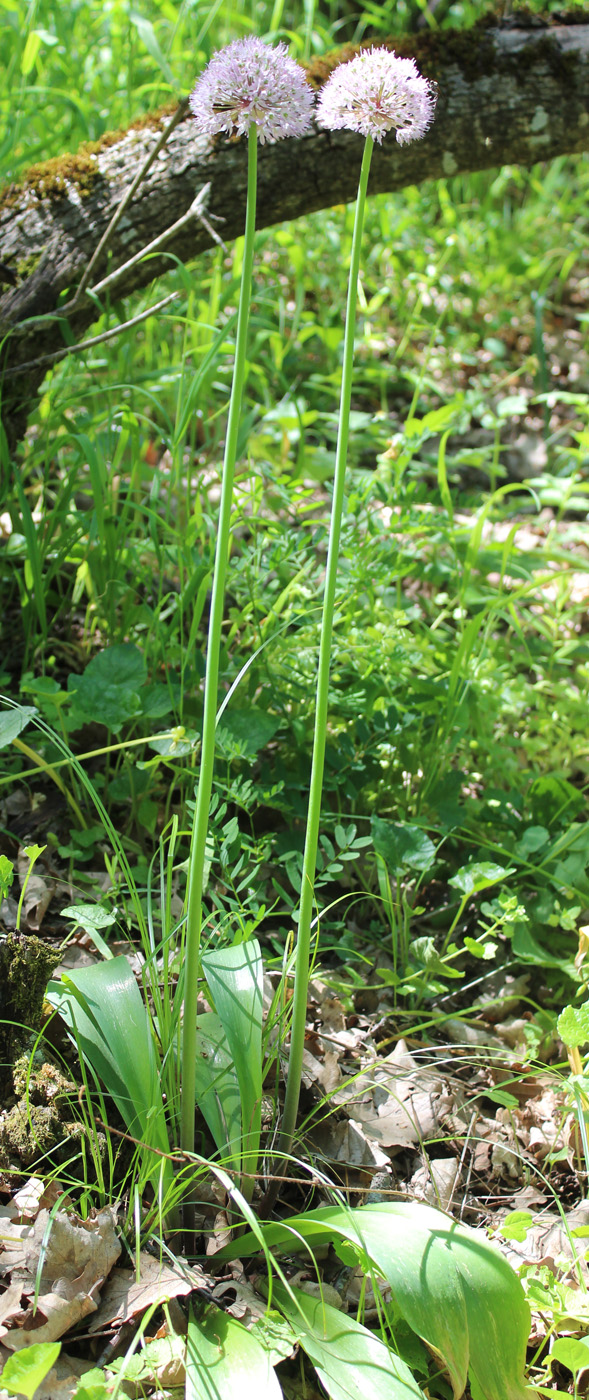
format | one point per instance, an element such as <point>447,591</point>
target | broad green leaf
<point>91,918</point>
<point>88,916</point>
<point>452,1286</point>
<point>533,839</point>
<point>480,949</point>
<point>26,1370</point>
<point>13,721</point>
<point>516,1225</point>
<point>179,742</point>
<point>424,953</point>
<point>108,690</point>
<point>573,1025</point>
<point>527,949</point>
<point>224,1360</point>
<point>572,1352</point>
<point>156,700</point>
<point>554,800</point>
<point>104,1011</point>
<point>513,403</point>
<point>350,1361</point>
<point>6,875</point>
<point>471,879</point>
<point>439,418</point>
<point>94,1385</point>
<point>402,846</point>
<point>234,977</point>
<point>32,853</point>
<point>248,730</point>
<point>217,1089</point>
<point>275,1335</point>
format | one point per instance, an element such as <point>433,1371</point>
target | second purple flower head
<point>378,92</point>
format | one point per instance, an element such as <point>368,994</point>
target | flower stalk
<point>254,90</point>
<point>196,862</point>
<point>303,950</point>
<point>377,92</point>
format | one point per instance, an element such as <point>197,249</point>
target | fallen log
<point>512,93</point>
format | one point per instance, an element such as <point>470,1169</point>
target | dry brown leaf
<point>124,1297</point>
<point>502,996</point>
<point>346,1142</point>
<point>247,1305</point>
<point>34,1196</point>
<point>331,1074</point>
<point>13,1239</point>
<point>78,1256</point>
<point>471,1036</point>
<point>220,1233</point>
<point>545,1122</point>
<point>435,1182</point>
<point>506,1157</point>
<point>410,1118</point>
<point>551,1241</point>
<point>311,1071</point>
<point>10,1301</point>
<point>397,1101</point>
<point>369,1293</point>
<point>315,1288</point>
<point>38,893</point>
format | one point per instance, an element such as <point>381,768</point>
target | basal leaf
<point>217,1089</point>
<point>224,1360</point>
<point>234,977</point>
<point>105,1013</point>
<point>108,690</point>
<point>452,1286</point>
<point>350,1361</point>
<point>573,1025</point>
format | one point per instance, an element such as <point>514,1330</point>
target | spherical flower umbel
<point>378,92</point>
<point>249,82</point>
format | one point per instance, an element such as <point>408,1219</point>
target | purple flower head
<point>378,92</point>
<point>248,82</point>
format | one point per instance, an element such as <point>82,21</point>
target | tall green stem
<point>295,1064</point>
<point>207,758</point>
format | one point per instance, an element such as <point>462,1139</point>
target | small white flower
<point>250,82</point>
<point>378,92</point>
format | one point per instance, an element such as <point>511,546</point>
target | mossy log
<point>510,93</point>
<point>26,964</point>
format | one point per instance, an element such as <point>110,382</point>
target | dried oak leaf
<point>124,1297</point>
<point>78,1256</point>
<point>399,1102</point>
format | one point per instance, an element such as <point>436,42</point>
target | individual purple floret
<point>249,82</point>
<point>378,92</point>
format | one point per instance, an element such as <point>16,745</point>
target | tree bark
<point>508,94</point>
